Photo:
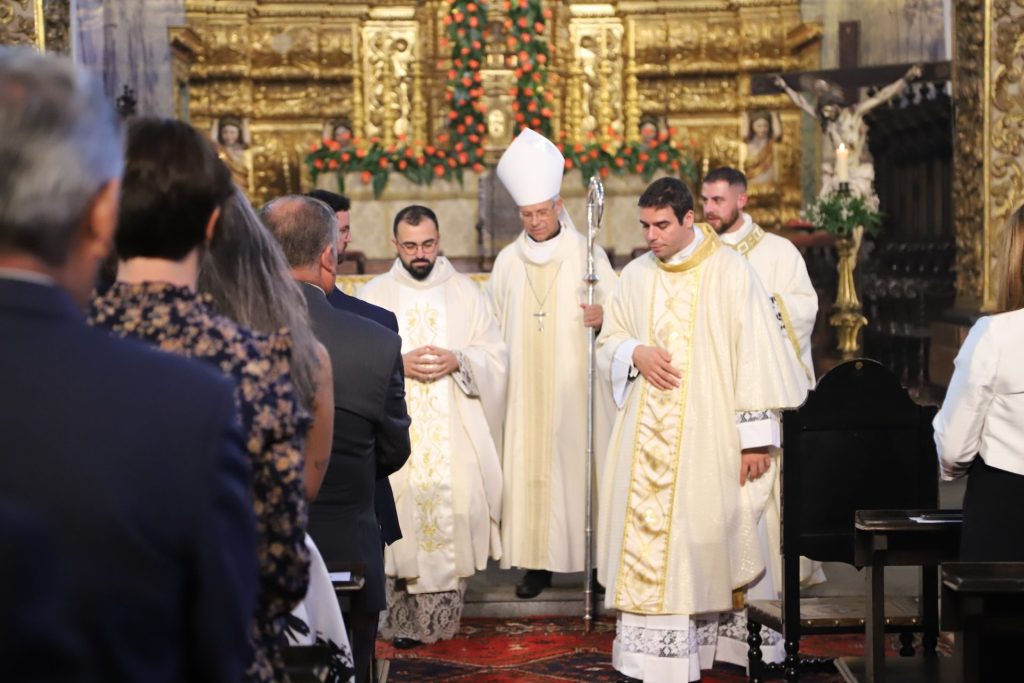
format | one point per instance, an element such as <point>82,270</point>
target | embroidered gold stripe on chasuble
<point>654,471</point>
<point>750,241</point>
<point>538,407</point>
<point>429,467</point>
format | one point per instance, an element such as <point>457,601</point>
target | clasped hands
<point>655,364</point>
<point>429,363</point>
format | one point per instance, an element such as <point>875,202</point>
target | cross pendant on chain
<point>540,315</point>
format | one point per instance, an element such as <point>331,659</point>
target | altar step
<point>493,594</point>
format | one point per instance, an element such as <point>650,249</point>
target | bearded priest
<point>448,495</point>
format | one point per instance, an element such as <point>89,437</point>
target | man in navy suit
<point>132,459</point>
<point>384,497</point>
<point>371,424</point>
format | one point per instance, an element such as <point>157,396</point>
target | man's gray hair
<point>60,143</point>
<point>302,225</point>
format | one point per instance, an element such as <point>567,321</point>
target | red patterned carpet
<point>554,650</point>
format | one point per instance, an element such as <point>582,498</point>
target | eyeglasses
<point>411,248</point>
<point>539,214</point>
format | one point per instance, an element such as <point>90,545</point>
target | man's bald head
<point>304,227</point>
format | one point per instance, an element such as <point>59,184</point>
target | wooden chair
<point>857,443</point>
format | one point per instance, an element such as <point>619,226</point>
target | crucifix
<point>842,122</point>
<point>540,315</point>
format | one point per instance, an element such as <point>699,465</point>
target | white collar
<point>734,238</point>
<point>542,252</point>
<point>687,251</point>
<point>26,276</point>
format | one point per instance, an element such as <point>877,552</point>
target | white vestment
<point>536,290</point>
<point>448,494</point>
<point>677,533</point>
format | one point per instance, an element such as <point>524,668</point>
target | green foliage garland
<point>527,41</point>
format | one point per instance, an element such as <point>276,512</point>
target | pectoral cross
<point>540,315</point>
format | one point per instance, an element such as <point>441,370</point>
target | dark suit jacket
<point>134,459</point>
<point>383,497</point>
<point>371,439</point>
<point>37,644</point>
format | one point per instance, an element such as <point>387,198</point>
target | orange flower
<point>538,27</point>
<point>478,168</point>
<point>402,164</point>
<point>314,146</point>
<point>366,177</point>
<point>620,162</point>
<point>542,58</point>
<point>604,171</point>
<point>452,163</point>
<point>471,7</point>
<point>409,153</point>
<point>360,153</point>
<point>522,22</point>
<point>383,162</point>
<point>332,164</point>
<point>439,170</point>
<point>430,149</point>
<point>639,168</point>
<point>473,22</point>
<point>345,157</point>
<point>662,157</point>
<point>643,156</point>
<point>318,164</point>
<point>568,164</point>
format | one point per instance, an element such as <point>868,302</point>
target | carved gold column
<point>597,86</point>
<point>988,152</point>
<point>42,23</point>
<point>633,112</point>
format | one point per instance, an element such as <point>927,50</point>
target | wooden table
<point>983,604</point>
<point>913,538</point>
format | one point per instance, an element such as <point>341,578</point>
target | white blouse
<point>984,407</point>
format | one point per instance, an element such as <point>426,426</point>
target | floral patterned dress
<point>178,320</point>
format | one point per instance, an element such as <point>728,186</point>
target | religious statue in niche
<point>848,158</point>
<point>649,128</point>
<point>590,85</point>
<point>232,139</point>
<point>760,132</point>
<point>340,131</point>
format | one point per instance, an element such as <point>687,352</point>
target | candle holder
<point>847,316</point>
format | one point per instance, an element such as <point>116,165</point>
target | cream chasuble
<point>783,272</point>
<point>677,531</point>
<point>536,291</point>
<point>448,494</point>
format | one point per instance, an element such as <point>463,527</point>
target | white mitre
<point>531,170</point>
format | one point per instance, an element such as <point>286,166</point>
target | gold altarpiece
<point>291,67</point>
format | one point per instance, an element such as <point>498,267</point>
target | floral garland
<point>465,23</point>
<point>528,44</point>
<point>463,144</point>
<point>643,158</point>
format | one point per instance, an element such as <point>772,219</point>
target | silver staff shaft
<point>595,211</point>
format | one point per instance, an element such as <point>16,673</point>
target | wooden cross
<point>540,315</point>
<point>850,76</point>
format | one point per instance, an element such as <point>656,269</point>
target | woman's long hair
<point>248,276</point>
<point>1011,290</point>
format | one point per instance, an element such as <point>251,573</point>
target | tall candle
<point>842,163</point>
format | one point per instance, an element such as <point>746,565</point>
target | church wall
<point>892,31</point>
<point>125,43</point>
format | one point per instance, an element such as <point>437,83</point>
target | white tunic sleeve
<point>958,425</point>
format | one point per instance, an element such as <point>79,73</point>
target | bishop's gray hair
<point>246,273</point>
<point>60,143</point>
<point>302,225</point>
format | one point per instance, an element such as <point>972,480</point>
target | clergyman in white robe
<point>448,495</point>
<point>782,270</point>
<point>536,289</point>
<point>677,531</point>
